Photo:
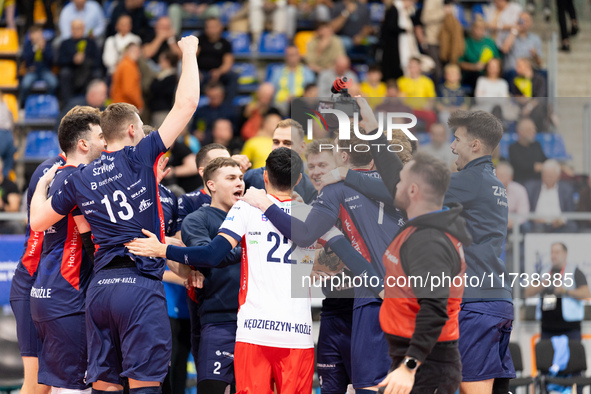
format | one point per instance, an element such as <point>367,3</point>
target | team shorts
<point>62,357</point>
<point>258,367</point>
<point>128,329</point>
<point>484,346</point>
<point>216,352</point>
<point>333,354</point>
<point>370,347</point>
<point>195,326</point>
<point>26,332</point>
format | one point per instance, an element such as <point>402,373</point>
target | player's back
<point>118,195</point>
<point>64,268</point>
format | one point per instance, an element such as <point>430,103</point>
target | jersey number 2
<point>286,257</point>
<point>118,195</point>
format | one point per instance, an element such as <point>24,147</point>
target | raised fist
<point>189,44</point>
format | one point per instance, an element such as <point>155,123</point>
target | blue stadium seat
<point>186,33</point>
<point>424,138</point>
<point>240,42</point>
<point>155,10</point>
<point>203,101</point>
<point>477,10</point>
<point>41,107</point>
<point>227,10</point>
<point>361,70</point>
<point>241,101</point>
<point>506,141</point>
<point>247,73</point>
<point>376,12</point>
<point>270,69</point>
<point>553,146</point>
<point>461,16</point>
<point>41,145</point>
<point>273,44</point>
<point>108,7</point>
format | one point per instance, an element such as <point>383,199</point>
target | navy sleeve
<point>147,150</point>
<point>210,255</point>
<point>462,187</point>
<point>373,188</point>
<point>304,233</point>
<point>387,163</point>
<point>64,200</point>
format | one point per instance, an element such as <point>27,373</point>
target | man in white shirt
<point>517,197</point>
<point>89,11</point>
<point>115,45</point>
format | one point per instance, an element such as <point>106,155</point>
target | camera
<point>341,100</point>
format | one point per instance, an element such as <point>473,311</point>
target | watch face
<point>411,363</point>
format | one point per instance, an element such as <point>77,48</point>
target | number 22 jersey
<point>118,195</point>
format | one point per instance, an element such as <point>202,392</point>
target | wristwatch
<point>411,363</point>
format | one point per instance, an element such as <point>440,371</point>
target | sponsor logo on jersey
<point>139,193</point>
<point>94,185</point>
<point>89,211</point>
<point>229,218</point>
<point>391,257</point>
<point>50,230</point>
<point>264,218</point>
<point>145,204</point>
<point>401,222</point>
<point>40,293</point>
<point>352,198</point>
<point>134,185</point>
<point>254,233</point>
<point>102,169</point>
<point>252,242</point>
<point>87,203</point>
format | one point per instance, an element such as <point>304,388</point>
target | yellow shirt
<point>422,87</point>
<point>379,92</point>
<point>257,149</point>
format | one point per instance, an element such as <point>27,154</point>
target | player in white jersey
<point>274,343</point>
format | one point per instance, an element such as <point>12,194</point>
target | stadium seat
<point>12,103</point>
<point>108,7</point>
<point>41,144</point>
<point>240,42</point>
<point>553,146</point>
<point>155,10</point>
<point>301,41</point>
<point>273,44</point>
<point>227,10</point>
<point>270,69</point>
<point>41,107</point>
<point>506,140</point>
<point>8,41</point>
<point>423,138</point>
<point>376,12</point>
<point>520,380</point>
<point>575,369</point>
<point>460,15</point>
<point>8,74</point>
<point>39,15</point>
<point>247,77</point>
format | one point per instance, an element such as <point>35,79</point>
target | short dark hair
<point>481,125</point>
<point>75,127</point>
<point>170,57</point>
<point>215,165</point>
<point>116,118</point>
<point>434,172</point>
<point>202,154</point>
<point>357,158</point>
<point>284,167</point>
<point>564,248</point>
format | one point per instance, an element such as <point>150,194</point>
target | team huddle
<point>88,295</point>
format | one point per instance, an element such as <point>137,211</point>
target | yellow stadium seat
<point>301,40</point>
<point>8,41</point>
<point>12,103</point>
<point>8,73</point>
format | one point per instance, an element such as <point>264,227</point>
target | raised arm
<point>187,94</point>
<point>42,214</point>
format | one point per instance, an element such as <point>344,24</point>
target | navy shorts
<point>127,327</point>
<point>62,357</point>
<point>195,326</point>
<point>216,352</point>
<point>370,347</point>
<point>484,346</point>
<point>333,354</point>
<point>26,332</point>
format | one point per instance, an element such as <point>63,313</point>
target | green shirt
<point>475,50</point>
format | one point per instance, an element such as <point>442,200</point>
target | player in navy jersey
<point>218,304</point>
<point>288,134</point>
<point>128,331</point>
<point>20,288</point>
<point>59,293</point>
<point>370,226</point>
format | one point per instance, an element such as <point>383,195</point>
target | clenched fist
<point>189,44</point>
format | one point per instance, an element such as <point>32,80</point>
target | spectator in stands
<point>164,40</point>
<point>491,84</point>
<point>324,49</point>
<point>453,94</point>
<point>517,197</point>
<point>527,83</point>
<point>140,25</point>
<point>79,59</point>
<point>341,68</point>
<point>38,59</point>
<point>501,16</point>
<point>390,33</point>
<point>206,115</point>
<point>162,89</point>
<point>308,10</point>
<point>89,11</point>
<point>216,59</point>
<point>253,113</point>
<point>125,85</point>
<point>258,147</point>
<point>183,166</point>
<point>290,79</point>
<point>96,96</point>
<point>521,43</point>
<point>223,134</point>
<point>526,154</point>
<point>272,13</point>
<point>417,87</point>
<point>10,197</point>
<point>392,102</point>
<point>373,87</point>
<point>116,44</point>
<point>431,18</point>
<point>561,308</point>
<point>27,8</point>
<point>562,8</point>
<point>550,197</point>
<point>7,148</point>
<point>439,145</point>
<point>186,9</point>
<point>351,21</point>
<point>479,50</point>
